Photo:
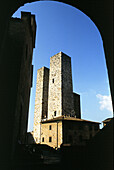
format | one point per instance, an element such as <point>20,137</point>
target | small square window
<point>80,127</point>
<point>96,127</point>
<point>70,126</point>
<point>75,133</point>
<point>90,127</point>
<point>90,136</point>
<point>50,139</point>
<point>70,139</point>
<point>42,139</point>
<point>80,138</point>
<point>49,127</point>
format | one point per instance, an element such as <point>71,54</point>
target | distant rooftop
<point>61,118</point>
<point>60,53</point>
<point>107,120</point>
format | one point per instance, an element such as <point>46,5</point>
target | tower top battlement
<point>61,54</point>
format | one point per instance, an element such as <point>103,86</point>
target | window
<point>70,139</point>
<point>80,127</point>
<point>90,136</point>
<point>70,126</point>
<point>75,133</point>
<point>34,150</point>
<point>55,113</point>
<point>49,127</point>
<point>90,127</point>
<point>52,80</point>
<point>42,139</point>
<point>50,139</point>
<point>80,138</point>
<point>96,127</point>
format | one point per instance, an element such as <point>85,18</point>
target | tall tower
<point>41,100</point>
<point>77,108</point>
<point>60,100</point>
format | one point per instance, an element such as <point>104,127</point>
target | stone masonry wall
<point>55,91</point>
<point>45,93</point>
<point>20,47</point>
<point>53,130</point>
<point>67,87</point>
<point>77,105</point>
<point>40,100</point>
<point>67,132</point>
<point>78,132</point>
<point>60,86</point>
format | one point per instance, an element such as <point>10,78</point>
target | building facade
<point>21,41</point>
<point>60,101</point>
<point>67,130</point>
<point>41,100</point>
<point>77,108</point>
<point>57,116</point>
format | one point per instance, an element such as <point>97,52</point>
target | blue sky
<point>61,27</point>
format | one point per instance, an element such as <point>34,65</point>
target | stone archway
<point>100,12</point>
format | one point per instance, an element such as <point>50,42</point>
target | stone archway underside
<point>100,12</point>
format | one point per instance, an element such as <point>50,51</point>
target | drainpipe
<point>40,134</point>
<point>57,134</point>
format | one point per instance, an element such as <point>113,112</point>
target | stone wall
<point>78,132</point>
<point>52,130</point>
<point>41,100</point>
<point>60,86</point>
<point>45,93</point>
<point>77,105</point>
<point>23,30</point>
<point>20,44</point>
<point>67,87</point>
<point>54,133</point>
<point>55,87</point>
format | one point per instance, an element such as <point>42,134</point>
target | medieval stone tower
<point>41,100</point>
<point>60,101</point>
<point>54,93</point>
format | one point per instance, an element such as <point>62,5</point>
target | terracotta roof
<point>107,120</point>
<point>67,118</point>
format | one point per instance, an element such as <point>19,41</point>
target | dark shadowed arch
<point>100,12</point>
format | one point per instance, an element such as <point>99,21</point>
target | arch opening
<point>107,40</point>
<point>78,40</point>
